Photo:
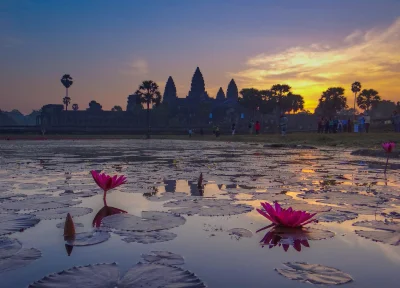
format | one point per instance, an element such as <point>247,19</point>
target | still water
<point>237,177</point>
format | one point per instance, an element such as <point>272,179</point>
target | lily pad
<point>13,256</point>
<point>88,238</point>
<point>336,216</point>
<point>163,257</point>
<point>240,232</point>
<point>10,223</point>
<point>339,198</point>
<point>387,232</point>
<point>146,237</point>
<point>107,275</point>
<point>150,221</point>
<point>270,197</point>
<point>314,274</point>
<point>208,207</point>
<point>39,203</point>
<point>61,213</point>
<point>61,225</point>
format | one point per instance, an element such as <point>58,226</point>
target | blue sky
<point>109,47</point>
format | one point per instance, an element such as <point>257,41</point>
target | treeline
<point>332,101</point>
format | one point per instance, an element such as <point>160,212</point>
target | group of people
<point>334,125</point>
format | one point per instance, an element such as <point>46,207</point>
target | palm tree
<point>367,98</point>
<point>75,107</point>
<point>67,81</point>
<point>148,94</point>
<point>117,108</point>
<point>355,87</point>
<point>66,101</point>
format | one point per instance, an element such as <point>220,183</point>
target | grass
<point>354,140</point>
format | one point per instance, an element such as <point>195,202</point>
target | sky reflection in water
<point>209,251</point>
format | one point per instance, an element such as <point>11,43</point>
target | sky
<point>110,47</point>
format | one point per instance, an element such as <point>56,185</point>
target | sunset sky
<point>109,47</point>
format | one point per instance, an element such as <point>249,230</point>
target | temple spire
<point>232,92</point>
<point>197,88</point>
<point>169,91</point>
<point>220,95</point>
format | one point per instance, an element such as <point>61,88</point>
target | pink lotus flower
<point>388,147</point>
<point>104,212</point>
<point>107,182</point>
<point>285,217</point>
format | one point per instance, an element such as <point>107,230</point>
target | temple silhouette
<point>196,110</point>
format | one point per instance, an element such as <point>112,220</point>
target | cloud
<point>139,67</point>
<point>371,57</point>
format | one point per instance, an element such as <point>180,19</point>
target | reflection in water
<point>69,248</point>
<point>104,212</point>
<point>286,237</point>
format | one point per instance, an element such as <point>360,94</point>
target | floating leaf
<point>61,225</point>
<point>150,221</point>
<point>146,237</point>
<point>88,238</point>
<point>12,256</point>
<point>61,213</point>
<point>39,203</point>
<point>163,257</point>
<point>240,232</point>
<point>314,274</point>
<point>336,216</point>
<point>106,275</point>
<point>10,223</point>
<point>388,232</point>
<point>208,207</point>
<point>339,198</point>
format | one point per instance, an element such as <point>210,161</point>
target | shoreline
<point>354,140</point>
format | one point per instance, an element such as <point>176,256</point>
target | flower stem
<point>387,160</point>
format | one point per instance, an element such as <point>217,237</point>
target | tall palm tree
<point>66,101</point>
<point>75,107</point>
<point>355,87</point>
<point>67,81</point>
<point>148,93</point>
<point>367,98</point>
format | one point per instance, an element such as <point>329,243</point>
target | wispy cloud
<point>372,57</point>
<point>139,67</point>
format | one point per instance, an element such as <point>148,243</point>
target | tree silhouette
<point>367,98</point>
<point>67,81</point>
<point>278,94</point>
<point>355,88</point>
<point>292,103</point>
<point>94,106</point>
<point>75,107</point>
<point>251,98</point>
<point>66,102</point>
<point>148,93</point>
<point>331,101</point>
<point>117,108</point>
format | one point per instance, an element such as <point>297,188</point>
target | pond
<point>211,231</point>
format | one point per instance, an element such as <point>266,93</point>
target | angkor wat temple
<point>174,115</point>
<point>196,110</point>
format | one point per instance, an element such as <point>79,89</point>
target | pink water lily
<point>285,217</point>
<point>107,182</point>
<point>388,147</point>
